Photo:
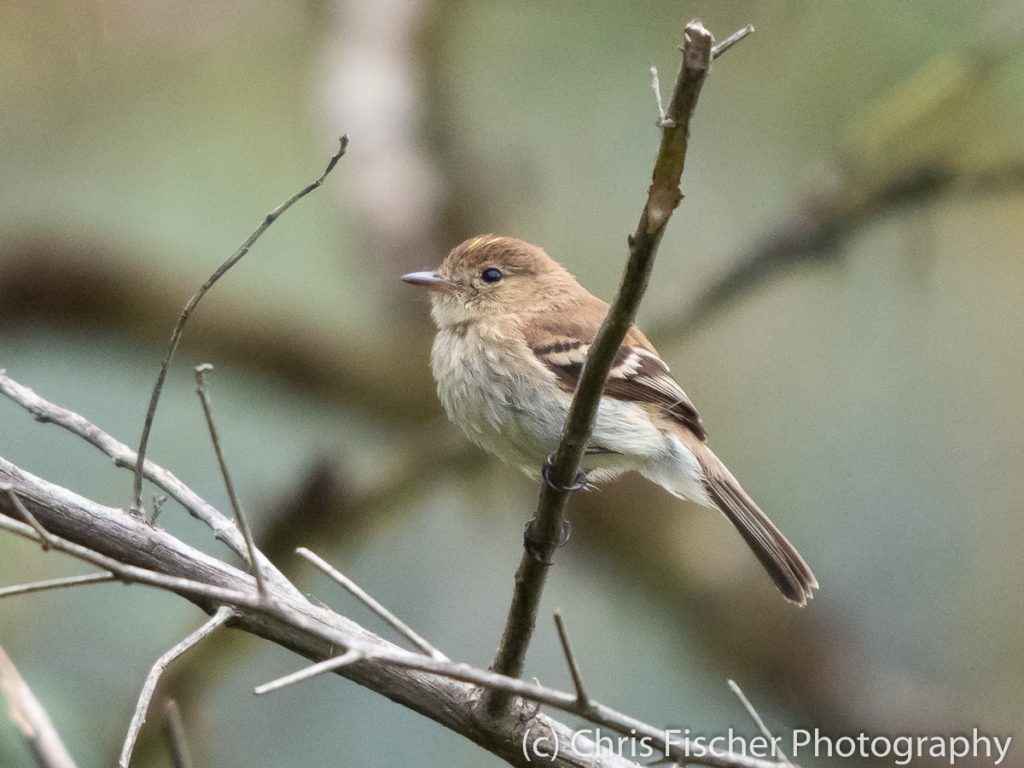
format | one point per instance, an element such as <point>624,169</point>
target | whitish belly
<point>516,411</point>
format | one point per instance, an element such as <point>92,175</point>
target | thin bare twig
<point>731,40</point>
<point>663,197</point>
<point>179,328</point>
<point>366,599</point>
<point>236,506</point>
<point>783,758</point>
<point>176,738</point>
<point>223,528</point>
<point>158,506</point>
<point>31,719</point>
<point>570,660</point>
<point>320,668</point>
<point>656,87</point>
<point>133,574</point>
<point>222,615</point>
<point>28,517</point>
<point>68,581</point>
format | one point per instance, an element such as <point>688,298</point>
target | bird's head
<point>491,276</point>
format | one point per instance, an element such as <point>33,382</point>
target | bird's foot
<point>536,548</point>
<point>580,484</point>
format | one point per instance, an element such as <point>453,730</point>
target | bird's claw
<point>580,484</point>
<point>536,548</point>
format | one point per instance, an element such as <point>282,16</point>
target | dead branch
<point>222,615</point>
<point>442,690</point>
<point>223,529</point>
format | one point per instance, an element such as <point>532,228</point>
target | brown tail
<point>788,570</point>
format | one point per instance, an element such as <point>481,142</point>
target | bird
<point>513,330</point>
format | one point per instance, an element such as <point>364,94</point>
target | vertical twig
<point>236,507</point>
<point>656,87</point>
<point>663,197</point>
<point>179,328</point>
<point>177,741</point>
<point>570,660</point>
<point>31,719</point>
<point>139,717</point>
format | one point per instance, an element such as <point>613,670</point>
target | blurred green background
<point>840,294</point>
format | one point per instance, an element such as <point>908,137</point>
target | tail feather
<point>780,559</point>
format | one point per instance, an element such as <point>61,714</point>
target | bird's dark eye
<point>491,275</point>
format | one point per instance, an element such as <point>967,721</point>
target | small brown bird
<point>514,328</point>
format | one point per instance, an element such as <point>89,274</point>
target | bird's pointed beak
<point>427,279</point>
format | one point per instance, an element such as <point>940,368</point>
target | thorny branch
<point>442,690</point>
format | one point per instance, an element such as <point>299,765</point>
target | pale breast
<point>491,386</point>
<point>510,405</point>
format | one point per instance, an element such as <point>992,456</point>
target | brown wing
<point>637,373</point>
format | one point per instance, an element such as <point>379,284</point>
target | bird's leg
<point>530,542</point>
<point>534,547</point>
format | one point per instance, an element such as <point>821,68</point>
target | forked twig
<point>663,197</point>
<point>179,328</point>
<point>224,529</point>
<point>291,621</point>
<point>139,717</point>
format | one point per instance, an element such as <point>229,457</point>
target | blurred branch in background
<point>31,718</point>
<point>176,738</point>
<point>69,285</point>
<point>383,87</point>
